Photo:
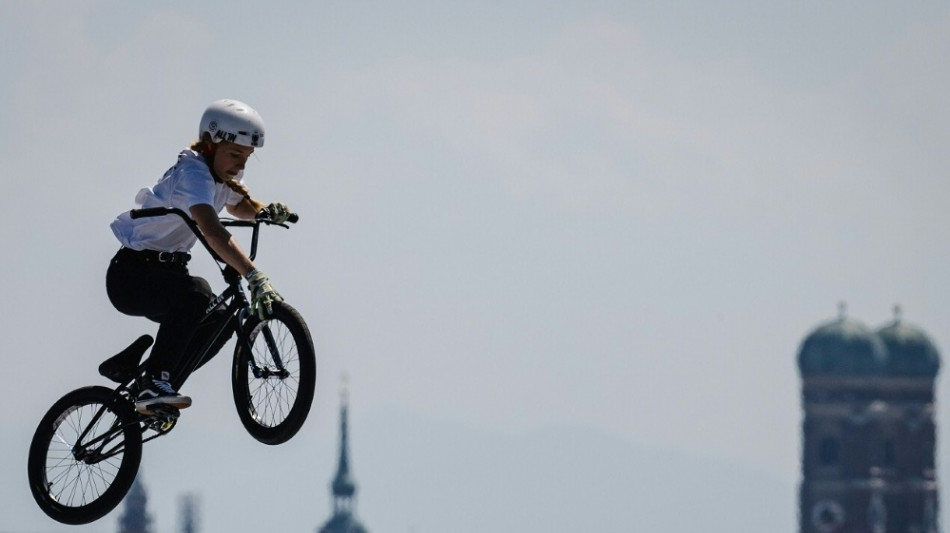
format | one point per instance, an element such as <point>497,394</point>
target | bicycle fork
<point>264,371</point>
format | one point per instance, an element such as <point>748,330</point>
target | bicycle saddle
<point>121,367</point>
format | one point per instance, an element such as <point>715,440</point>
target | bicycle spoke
<point>74,482</point>
<point>274,376</point>
<point>274,394</point>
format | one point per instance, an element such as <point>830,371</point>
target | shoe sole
<point>144,407</point>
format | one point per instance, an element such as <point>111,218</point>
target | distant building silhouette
<point>135,517</point>
<point>188,505</point>
<point>868,430</point>
<point>343,487</point>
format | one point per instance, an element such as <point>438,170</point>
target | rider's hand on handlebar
<point>277,212</point>
<point>263,296</point>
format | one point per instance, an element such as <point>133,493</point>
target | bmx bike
<point>86,451</point>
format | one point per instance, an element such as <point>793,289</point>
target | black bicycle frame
<point>236,309</point>
<point>234,317</point>
<point>80,452</point>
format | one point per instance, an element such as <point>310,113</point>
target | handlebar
<point>193,226</point>
<point>162,211</point>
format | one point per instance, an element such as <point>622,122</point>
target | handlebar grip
<point>262,215</point>
<point>149,212</point>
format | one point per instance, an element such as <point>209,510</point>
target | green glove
<point>277,212</point>
<point>263,296</point>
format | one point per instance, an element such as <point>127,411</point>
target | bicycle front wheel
<point>84,456</point>
<point>273,382</point>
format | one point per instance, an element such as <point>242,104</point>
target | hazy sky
<point>621,217</point>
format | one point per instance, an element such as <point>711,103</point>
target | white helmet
<point>232,121</point>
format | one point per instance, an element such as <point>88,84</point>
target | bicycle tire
<point>271,407</point>
<point>72,490</point>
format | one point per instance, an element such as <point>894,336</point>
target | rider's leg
<point>167,294</point>
<point>204,332</point>
<point>177,327</point>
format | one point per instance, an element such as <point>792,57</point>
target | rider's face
<point>230,158</point>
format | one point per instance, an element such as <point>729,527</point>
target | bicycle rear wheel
<point>84,456</point>
<point>273,382</point>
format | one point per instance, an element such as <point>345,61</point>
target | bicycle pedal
<point>163,418</point>
<point>161,425</point>
<point>165,412</point>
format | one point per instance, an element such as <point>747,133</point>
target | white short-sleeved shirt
<point>187,183</point>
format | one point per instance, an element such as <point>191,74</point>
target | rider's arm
<point>219,238</point>
<point>246,209</point>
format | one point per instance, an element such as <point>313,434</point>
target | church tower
<point>868,431</point>
<point>343,487</point>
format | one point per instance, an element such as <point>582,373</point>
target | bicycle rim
<point>273,383</point>
<point>84,457</point>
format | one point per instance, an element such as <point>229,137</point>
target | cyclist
<point>149,275</point>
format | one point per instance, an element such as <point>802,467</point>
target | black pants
<point>166,293</point>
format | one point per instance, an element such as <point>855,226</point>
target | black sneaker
<point>158,392</point>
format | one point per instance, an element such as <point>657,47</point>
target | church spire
<point>343,486</point>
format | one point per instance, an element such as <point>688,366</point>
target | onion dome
<point>910,351</point>
<point>842,347</point>
<point>343,523</point>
